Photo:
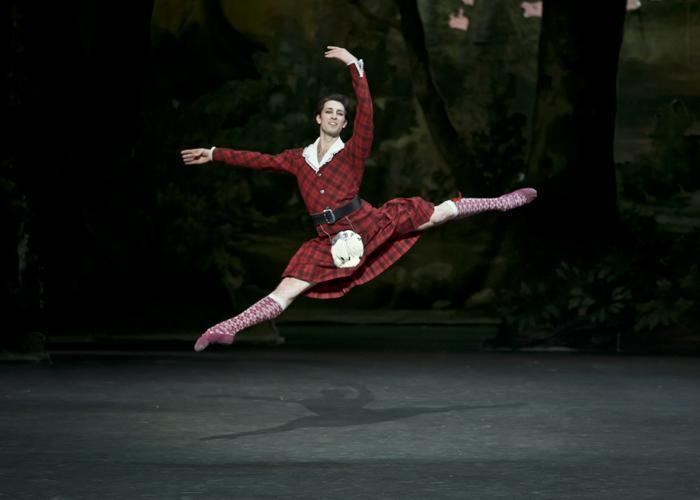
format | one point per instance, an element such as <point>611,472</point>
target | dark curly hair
<point>342,99</point>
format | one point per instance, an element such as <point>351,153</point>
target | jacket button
<point>318,173</point>
<point>322,191</point>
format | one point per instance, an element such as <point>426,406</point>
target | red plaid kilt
<point>387,232</point>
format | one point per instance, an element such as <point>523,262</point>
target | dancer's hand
<point>196,156</point>
<point>339,53</point>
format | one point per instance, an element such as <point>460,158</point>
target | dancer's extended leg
<point>265,309</point>
<point>458,208</point>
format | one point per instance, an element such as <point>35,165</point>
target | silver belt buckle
<point>327,211</point>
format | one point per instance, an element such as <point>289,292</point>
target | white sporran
<point>347,248</point>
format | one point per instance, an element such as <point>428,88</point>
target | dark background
<point>104,229</point>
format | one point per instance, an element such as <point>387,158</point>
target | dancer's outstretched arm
<point>361,140</point>
<point>278,163</point>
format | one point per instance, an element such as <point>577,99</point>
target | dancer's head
<point>331,113</point>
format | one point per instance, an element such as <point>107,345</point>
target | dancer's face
<point>332,118</point>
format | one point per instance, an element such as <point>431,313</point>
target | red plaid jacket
<point>338,181</point>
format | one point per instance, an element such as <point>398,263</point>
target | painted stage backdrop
<point>594,105</point>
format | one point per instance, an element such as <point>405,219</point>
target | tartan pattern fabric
<point>387,232</point>
<point>283,162</point>
<point>509,201</point>
<point>223,333</point>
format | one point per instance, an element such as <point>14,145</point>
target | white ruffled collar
<point>311,156</point>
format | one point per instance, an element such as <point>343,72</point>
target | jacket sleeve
<point>277,163</point>
<point>363,126</point>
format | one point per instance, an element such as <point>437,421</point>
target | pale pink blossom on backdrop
<point>459,22</point>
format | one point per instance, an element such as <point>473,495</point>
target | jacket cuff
<point>360,65</point>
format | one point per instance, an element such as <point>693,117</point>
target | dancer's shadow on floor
<point>338,408</point>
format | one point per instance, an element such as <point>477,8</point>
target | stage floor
<point>249,424</point>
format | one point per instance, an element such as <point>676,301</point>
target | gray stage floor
<point>248,424</point>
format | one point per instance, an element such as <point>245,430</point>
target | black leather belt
<point>329,215</point>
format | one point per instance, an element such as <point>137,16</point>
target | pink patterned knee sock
<point>222,333</point>
<point>471,206</point>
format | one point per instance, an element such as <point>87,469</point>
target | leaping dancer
<point>355,241</point>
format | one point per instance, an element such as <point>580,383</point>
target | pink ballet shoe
<point>222,333</point>
<point>213,336</point>
<point>519,197</point>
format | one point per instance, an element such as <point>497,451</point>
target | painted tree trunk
<point>571,153</point>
